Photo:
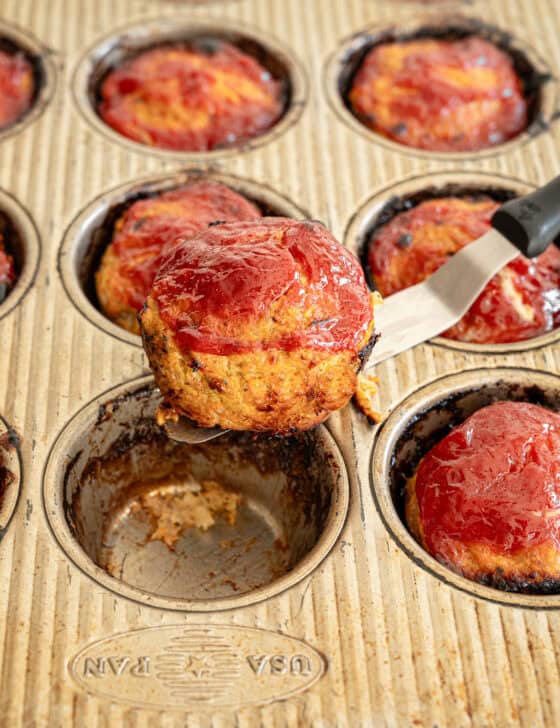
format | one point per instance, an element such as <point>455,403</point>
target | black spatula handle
<point>532,222</point>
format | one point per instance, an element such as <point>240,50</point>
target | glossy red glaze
<point>494,480</point>
<point>191,98</point>
<point>16,87</point>
<point>521,302</point>
<point>219,286</point>
<point>440,95</point>
<point>149,224</point>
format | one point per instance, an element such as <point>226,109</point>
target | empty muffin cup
<point>539,88</point>
<point>91,232</point>
<point>194,528</point>
<point>420,422</point>
<point>280,69</point>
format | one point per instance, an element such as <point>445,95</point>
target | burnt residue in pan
<point>125,49</point>
<point>399,204</point>
<point>13,244</point>
<point>430,426</point>
<point>102,236</point>
<point>10,47</point>
<point>277,494</point>
<point>455,28</point>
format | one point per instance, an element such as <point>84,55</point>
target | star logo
<point>198,666</point>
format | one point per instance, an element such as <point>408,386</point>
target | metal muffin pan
<point>381,207</point>
<point>112,463</point>
<point>541,86</point>
<point>111,51</point>
<point>346,621</point>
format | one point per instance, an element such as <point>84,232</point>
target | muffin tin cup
<point>40,58</point>
<point>360,225</point>
<point>294,500</point>
<point>10,474</point>
<point>344,62</point>
<point>25,247</point>
<point>84,242</point>
<point>424,418</point>
<point>130,40</point>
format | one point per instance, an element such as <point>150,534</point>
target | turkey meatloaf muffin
<point>440,95</point>
<point>194,97</point>
<point>522,301</point>
<point>485,500</point>
<point>131,260</point>
<point>258,325</point>
<point>17,87</point>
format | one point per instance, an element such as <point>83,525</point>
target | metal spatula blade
<point>185,430</point>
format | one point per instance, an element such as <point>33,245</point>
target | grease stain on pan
<point>179,668</point>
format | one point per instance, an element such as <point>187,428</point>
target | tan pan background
<point>403,649</point>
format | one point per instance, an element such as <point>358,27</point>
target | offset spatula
<point>525,225</point>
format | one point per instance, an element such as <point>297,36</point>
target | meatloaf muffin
<point>441,95</point>
<point>258,325</point>
<point>7,269</point>
<point>17,87</point>
<point>485,500</point>
<point>522,301</point>
<point>131,260</point>
<point>195,97</point>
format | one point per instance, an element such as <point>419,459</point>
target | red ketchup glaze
<point>7,271</point>
<point>212,289</point>
<point>440,95</point>
<point>16,87</point>
<point>494,480</point>
<point>149,224</point>
<point>191,98</point>
<point>521,302</point>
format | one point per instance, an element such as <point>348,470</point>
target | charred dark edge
<point>102,236</point>
<point>207,43</point>
<point>12,48</point>
<point>364,353</point>
<point>532,80</point>
<point>520,586</point>
<point>404,203</point>
<point>402,471</point>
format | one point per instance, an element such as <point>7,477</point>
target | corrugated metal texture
<point>402,648</point>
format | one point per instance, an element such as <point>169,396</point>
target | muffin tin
<point>316,606</point>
